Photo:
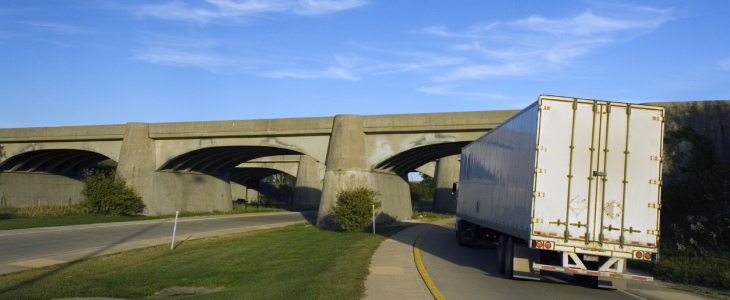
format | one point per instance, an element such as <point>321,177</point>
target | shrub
<point>353,209</point>
<point>107,193</point>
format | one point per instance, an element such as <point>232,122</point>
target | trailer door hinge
<point>654,232</point>
<point>655,158</point>
<point>536,220</point>
<point>540,170</point>
<point>545,107</point>
<point>657,119</point>
<point>655,205</point>
<point>655,181</point>
<point>539,194</point>
<point>541,148</point>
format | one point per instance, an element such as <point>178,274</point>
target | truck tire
<point>500,253</point>
<point>509,255</point>
<point>460,233</point>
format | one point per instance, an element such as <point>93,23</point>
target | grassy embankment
<point>17,218</point>
<point>296,262</point>
<point>429,216</point>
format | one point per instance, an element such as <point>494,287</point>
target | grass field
<point>296,262</point>
<point>79,219</point>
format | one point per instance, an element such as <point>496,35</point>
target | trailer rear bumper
<point>539,267</point>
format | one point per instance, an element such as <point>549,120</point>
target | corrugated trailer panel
<point>583,174</point>
<point>496,190</point>
<point>599,185</point>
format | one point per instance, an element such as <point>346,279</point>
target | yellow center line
<point>419,263</point>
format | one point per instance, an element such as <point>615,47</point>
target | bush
<point>353,209</point>
<point>107,193</point>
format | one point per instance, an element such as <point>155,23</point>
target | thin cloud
<point>56,27</point>
<point>162,56</point>
<point>479,71</point>
<point>313,7</point>
<point>448,90</point>
<point>229,10</point>
<point>585,24</point>
<point>522,47</point>
<point>725,64</point>
<point>332,72</point>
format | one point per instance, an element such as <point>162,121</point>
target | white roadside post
<point>373,218</point>
<point>172,247</point>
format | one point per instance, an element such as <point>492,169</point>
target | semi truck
<point>566,185</point>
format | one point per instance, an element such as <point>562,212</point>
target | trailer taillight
<point>548,245</point>
<point>647,255</point>
<point>539,244</point>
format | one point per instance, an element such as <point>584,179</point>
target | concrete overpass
<point>202,166</point>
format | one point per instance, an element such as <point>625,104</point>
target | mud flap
<point>524,257</point>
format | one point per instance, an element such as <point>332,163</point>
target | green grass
<point>20,223</point>
<point>709,269</point>
<point>296,262</point>
<point>428,215</point>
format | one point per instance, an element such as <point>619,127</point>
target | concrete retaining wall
<point>21,189</point>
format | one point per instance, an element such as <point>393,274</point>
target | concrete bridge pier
<point>346,167</point>
<point>447,173</point>
<point>238,191</point>
<point>308,189</point>
<point>137,163</point>
<point>166,192</point>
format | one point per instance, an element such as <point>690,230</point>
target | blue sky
<point>112,62</point>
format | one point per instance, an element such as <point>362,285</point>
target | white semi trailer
<point>566,185</point>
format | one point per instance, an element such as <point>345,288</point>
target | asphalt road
<point>471,273</point>
<point>27,243</point>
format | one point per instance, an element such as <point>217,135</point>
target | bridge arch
<point>218,160</point>
<point>65,162</point>
<point>409,160</point>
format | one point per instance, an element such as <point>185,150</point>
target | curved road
<point>471,273</point>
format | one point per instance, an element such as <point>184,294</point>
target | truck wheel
<point>473,242</point>
<point>500,253</point>
<point>460,234</point>
<point>509,253</point>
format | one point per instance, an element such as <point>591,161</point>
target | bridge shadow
<point>72,263</point>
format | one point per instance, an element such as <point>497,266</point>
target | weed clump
<point>354,208</point>
<point>107,193</point>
